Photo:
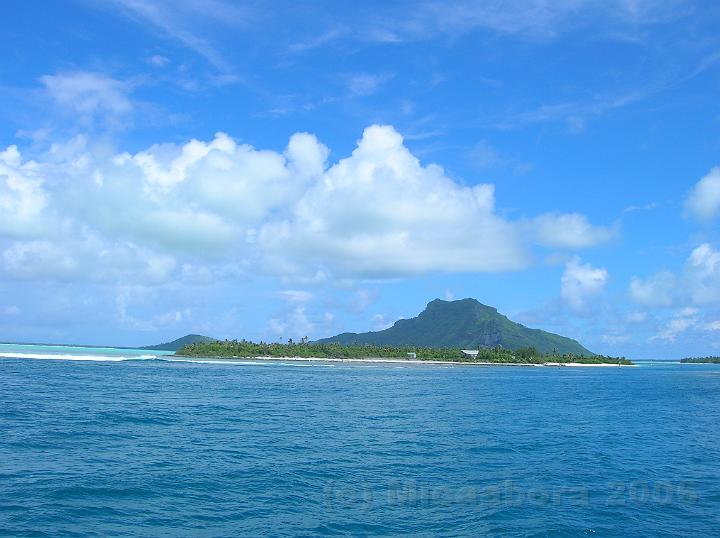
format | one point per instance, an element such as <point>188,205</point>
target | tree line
<point>306,349</point>
<point>702,360</point>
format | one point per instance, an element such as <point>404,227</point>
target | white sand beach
<point>378,360</point>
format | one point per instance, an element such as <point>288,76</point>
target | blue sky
<point>270,170</point>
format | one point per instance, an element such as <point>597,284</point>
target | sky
<point>273,170</point>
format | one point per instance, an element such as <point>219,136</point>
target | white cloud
<point>702,271</point>
<point>123,301</point>
<point>85,259</point>
<point>39,259</point>
<point>581,281</point>
<point>158,60</point>
<point>380,212</point>
<point>188,21</point>
<point>643,207</point>
<point>657,290</point>
<point>317,41</point>
<point>703,201</point>
<point>361,300</point>
<point>682,322</point>
<point>380,322</point>
<point>698,283</point>
<point>615,339</point>
<point>200,197</point>
<point>295,296</point>
<point>538,19</point>
<point>88,94</point>
<point>363,84</point>
<point>202,209</point>
<point>22,198</point>
<point>295,324</point>
<point>569,231</point>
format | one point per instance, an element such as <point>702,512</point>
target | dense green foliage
<point>333,350</point>
<point>702,360</point>
<point>180,342</point>
<point>466,324</point>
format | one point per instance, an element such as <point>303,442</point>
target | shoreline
<point>379,360</point>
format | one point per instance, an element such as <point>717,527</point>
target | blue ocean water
<point>159,448</point>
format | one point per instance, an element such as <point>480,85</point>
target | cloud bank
<point>218,207</point>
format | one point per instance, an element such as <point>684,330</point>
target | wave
<point>159,358</point>
<point>69,357</point>
<point>245,362</point>
<point>172,358</point>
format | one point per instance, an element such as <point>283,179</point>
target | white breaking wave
<point>210,361</point>
<point>240,362</point>
<point>173,358</point>
<point>68,357</point>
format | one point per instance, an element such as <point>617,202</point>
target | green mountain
<point>466,324</point>
<point>180,342</point>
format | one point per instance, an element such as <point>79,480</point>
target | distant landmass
<point>465,323</point>
<point>701,360</point>
<point>181,342</point>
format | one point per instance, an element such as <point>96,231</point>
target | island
<point>236,349</point>
<point>462,331</point>
<point>701,360</point>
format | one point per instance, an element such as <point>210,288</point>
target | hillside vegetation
<point>180,342</point>
<point>466,324</point>
<point>244,349</point>
<point>701,360</point>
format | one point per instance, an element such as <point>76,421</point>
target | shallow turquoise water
<point>62,352</point>
<point>157,448</point>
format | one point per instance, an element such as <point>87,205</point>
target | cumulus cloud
<point>581,281</point>
<point>698,283</point>
<point>206,208</point>
<point>380,212</point>
<point>569,231</point>
<point>703,201</point>
<point>200,198</point>
<point>22,198</point>
<point>702,271</point>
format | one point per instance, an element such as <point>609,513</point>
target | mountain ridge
<point>465,323</point>
<point>178,343</point>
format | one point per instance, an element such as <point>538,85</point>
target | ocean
<point>108,442</point>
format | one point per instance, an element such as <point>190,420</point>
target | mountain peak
<point>468,303</point>
<point>463,323</point>
<point>180,342</point>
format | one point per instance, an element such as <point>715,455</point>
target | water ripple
<point>167,448</point>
